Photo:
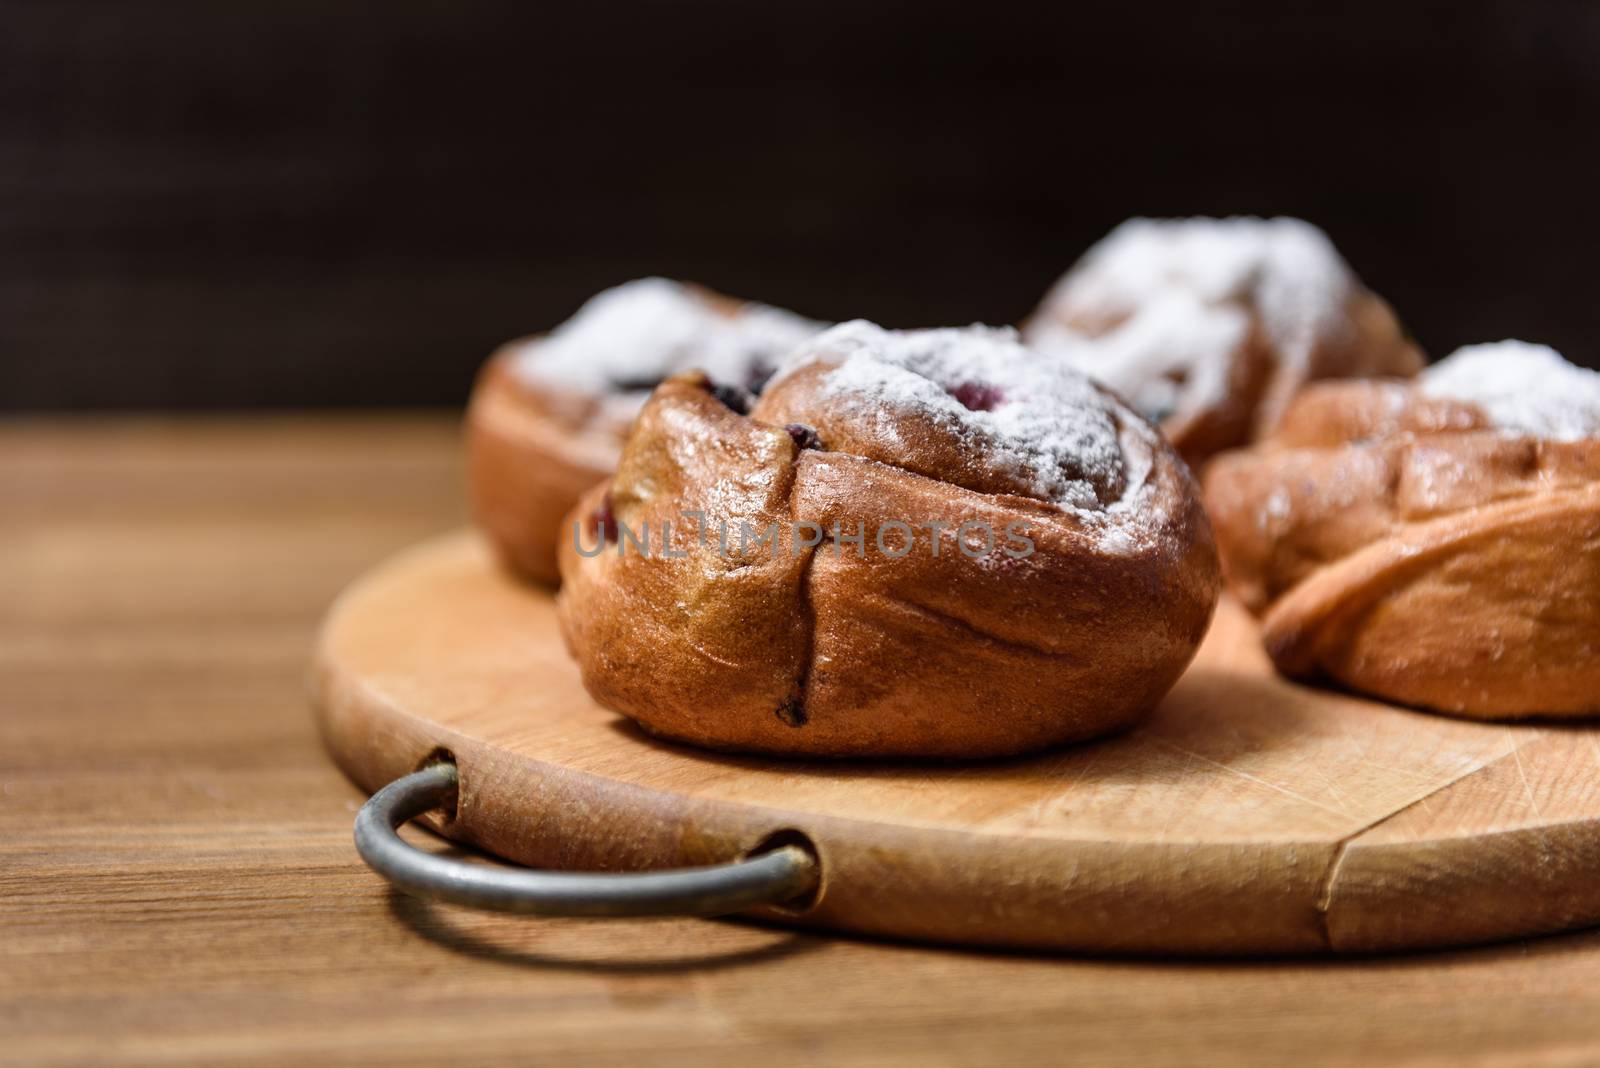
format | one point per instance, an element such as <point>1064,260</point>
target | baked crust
<point>830,651</point>
<point>534,444</point>
<point>1402,546</point>
<point>530,455</point>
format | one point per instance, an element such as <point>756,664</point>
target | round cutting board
<point>1248,815</point>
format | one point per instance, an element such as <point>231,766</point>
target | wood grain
<point>177,883</point>
<point>1248,815</point>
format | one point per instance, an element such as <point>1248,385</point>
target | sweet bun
<point>1434,542</point>
<point>549,414</point>
<point>1209,326</point>
<point>973,552</point>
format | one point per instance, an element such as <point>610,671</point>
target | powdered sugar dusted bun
<point>1520,388</point>
<point>1210,325</point>
<point>976,551</point>
<point>549,413</point>
<point>624,341</point>
<point>975,408</point>
<point>1433,541</point>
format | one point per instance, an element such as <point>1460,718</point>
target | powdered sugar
<point>1169,355</point>
<point>1285,269</point>
<point>1044,423</point>
<point>1523,388</point>
<point>626,339</point>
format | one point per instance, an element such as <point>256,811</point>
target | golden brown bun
<point>535,444</point>
<point>1402,546</point>
<point>836,651</point>
<point>529,458</point>
<point>1256,370</point>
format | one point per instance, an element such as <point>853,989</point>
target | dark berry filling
<point>642,384</point>
<point>605,519</point>
<point>759,377</point>
<point>732,397</point>
<point>977,397</point>
<point>805,437</point>
<point>792,712</point>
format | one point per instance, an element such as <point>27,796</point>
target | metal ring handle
<point>770,878</point>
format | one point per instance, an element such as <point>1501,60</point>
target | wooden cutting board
<point>1248,815</point>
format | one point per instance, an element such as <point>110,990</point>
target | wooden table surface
<point>178,884</point>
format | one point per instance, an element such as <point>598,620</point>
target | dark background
<point>283,202</point>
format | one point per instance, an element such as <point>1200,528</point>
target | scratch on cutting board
<point>1527,790</point>
<point>1252,778</point>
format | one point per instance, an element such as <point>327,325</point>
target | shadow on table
<point>441,926</point>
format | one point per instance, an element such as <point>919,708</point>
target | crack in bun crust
<point>831,649</point>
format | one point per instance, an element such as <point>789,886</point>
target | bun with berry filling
<point>928,543</point>
<point>1209,326</point>
<point>1434,542</point>
<point>549,414</point>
